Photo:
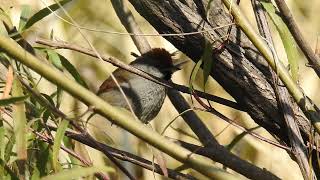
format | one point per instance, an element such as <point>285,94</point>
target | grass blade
<point>43,13</point>
<point>57,143</point>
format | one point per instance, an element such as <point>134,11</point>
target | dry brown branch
<point>287,106</point>
<point>313,59</point>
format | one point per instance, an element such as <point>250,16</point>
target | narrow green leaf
<point>2,142</point>
<point>9,148</point>
<point>73,71</point>
<point>25,13</point>
<point>207,62</point>
<point>12,100</point>
<point>59,96</point>
<point>287,39</point>
<point>239,137</point>
<point>48,98</point>
<point>57,143</point>
<point>20,131</point>
<point>194,73</point>
<point>43,13</point>
<point>10,174</point>
<point>35,174</point>
<point>77,173</point>
<point>43,159</point>
<point>54,59</point>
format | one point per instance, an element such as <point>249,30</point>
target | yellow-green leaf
<point>57,143</point>
<point>287,39</point>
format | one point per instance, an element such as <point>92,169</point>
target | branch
<point>72,153</point>
<point>298,148</point>
<point>308,107</point>
<point>194,122</point>
<point>130,24</point>
<point>111,113</point>
<point>239,68</point>
<point>125,156</point>
<point>120,64</point>
<point>86,138</point>
<point>286,15</point>
<point>57,112</point>
<point>217,152</point>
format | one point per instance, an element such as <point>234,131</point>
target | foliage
<point>33,141</point>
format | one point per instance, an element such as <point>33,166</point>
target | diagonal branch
<point>194,122</point>
<point>307,106</point>
<point>284,99</point>
<point>86,138</point>
<point>115,115</point>
<point>120,64</point>
<point>240,69</point>
<point>313,59</point>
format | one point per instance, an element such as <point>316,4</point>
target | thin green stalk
<point>307,106</point>
<point>20,121</point>
<point>115,115</point>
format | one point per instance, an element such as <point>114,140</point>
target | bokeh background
<point>100,15</point>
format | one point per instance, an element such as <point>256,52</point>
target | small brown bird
<point>145,97</point>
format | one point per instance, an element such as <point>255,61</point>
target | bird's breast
<point>147,97</point>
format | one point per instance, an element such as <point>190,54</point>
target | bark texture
<point>239,68</point>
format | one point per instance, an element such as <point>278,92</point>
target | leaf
<point>35,174</point>
<point>2,140</point>
<point>207,62</point>
<point>54,59</point>
<point>287,39</point>
<point>11,175</point>
<point>194,73</point>
<point>239,137</point>
<point>43,13</point>
<point>43,159</point>
<point>73,71</point>
<point>9,148</point>
<point>57,142</point>
<point>59,96</point>
<point>77,172</point>
<point>12,100</point>
<point>25,13</point>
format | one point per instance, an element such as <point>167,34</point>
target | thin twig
<point>203,133</point>
<point>218,153</point>
<point>59,113</point>
<point>8,85</point>
<point>72,153</point>
<point>306,104</point>
<point>123,155</point>
<point>85,138</point>
<point>118,63</point>
<point>297,35</point>
<point>284,100</point>
<point>128,21</point>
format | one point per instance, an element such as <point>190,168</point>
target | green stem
<point>307,106</point>
<point>115,115</point>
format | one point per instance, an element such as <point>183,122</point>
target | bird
<point>145,97</point>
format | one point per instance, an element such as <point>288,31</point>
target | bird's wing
<point>109,84</point>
